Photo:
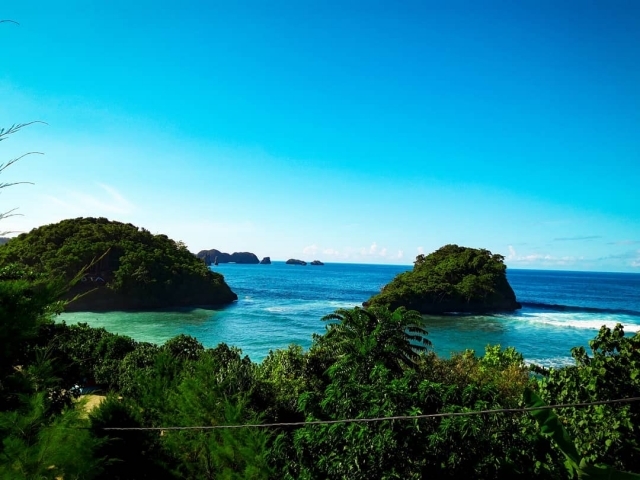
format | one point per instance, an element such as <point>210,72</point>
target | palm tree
<point>377,335</point>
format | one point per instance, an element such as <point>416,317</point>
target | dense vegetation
<point>372,362</point>
<point>451,279</point>
<point>126,267</point>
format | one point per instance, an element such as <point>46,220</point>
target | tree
<point>377,335</point>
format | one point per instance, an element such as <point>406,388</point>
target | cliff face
<point>209,256</point>
<point>101,298</point>
<point>452,279</point>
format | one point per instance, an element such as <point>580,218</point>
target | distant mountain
<point>4,240</point>
<point>209,257</point>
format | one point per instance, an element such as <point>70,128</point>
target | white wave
<point>587,321</point>
<point>552,362</point>
<point>310,307</point>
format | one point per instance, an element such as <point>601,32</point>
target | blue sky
<point>344,131</point>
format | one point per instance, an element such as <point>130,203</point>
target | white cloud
<point>543,259</point>
<point>102,201</point>
<point>420,250</point>
<point>310,250</point>
<point>372,253</point>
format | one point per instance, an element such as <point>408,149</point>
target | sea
<point>282,304</point>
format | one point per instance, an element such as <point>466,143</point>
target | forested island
<point>116,266</point>
<point>452,279</point>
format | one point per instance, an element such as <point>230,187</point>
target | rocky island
<point>265,261</point>
<point>316,262</point>
<point>295,261</point>
<point>451,279</point>
<point>120,266</point>
<point>213,255</point>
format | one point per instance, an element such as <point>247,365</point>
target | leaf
<point>550,426</point>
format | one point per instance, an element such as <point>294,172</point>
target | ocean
<point>281,304</point>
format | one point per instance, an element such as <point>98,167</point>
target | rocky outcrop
<point>295,261</point>
<point>209,257</point>
<point>316,262</point>
<point>265,261</point>
<point>452,279</point>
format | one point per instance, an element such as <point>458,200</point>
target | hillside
<point>127,267</point>
<point>451,279</point>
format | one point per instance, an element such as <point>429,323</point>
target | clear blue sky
<point>343,131</point>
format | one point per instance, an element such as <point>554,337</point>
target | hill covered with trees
<point>451,279</point>
<point>123,267</point>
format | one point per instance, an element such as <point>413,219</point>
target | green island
<point>118,266</point>
<point>451,279</point>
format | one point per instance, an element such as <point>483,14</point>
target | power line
<point>382,419</point>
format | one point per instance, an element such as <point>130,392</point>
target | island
<point>117,266</point>
<point>316,262</point>
<point>295,261</point>
<point>452,279</point>
<point>265,261</point>
<point>214,256</point>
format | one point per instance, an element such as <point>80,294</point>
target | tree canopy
<point>451,279</point>
<point>127,266</point>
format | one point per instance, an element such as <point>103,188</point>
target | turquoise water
<point>281,304</point>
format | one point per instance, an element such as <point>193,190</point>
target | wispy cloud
<point>371,253</point>
<point>576,239</point>
<point>625,242</point>
<point>310,250</point>
<point>543,259</point>
<point>104,199</point>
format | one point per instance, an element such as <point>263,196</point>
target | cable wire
<point>382,419</point>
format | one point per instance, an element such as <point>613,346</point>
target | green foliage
<point>149,270</point>
<point>450,279</point>
<point>204,398</point>
<point>376,335</point>
<point>551,427</point>
<point>603,434</point>
<point>38,445</point>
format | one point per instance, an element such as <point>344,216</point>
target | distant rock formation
<point>294,261</point>
<point>4,240</point>
<point>316,262</point>
<point>236,257</point>
<point>266,261</point>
